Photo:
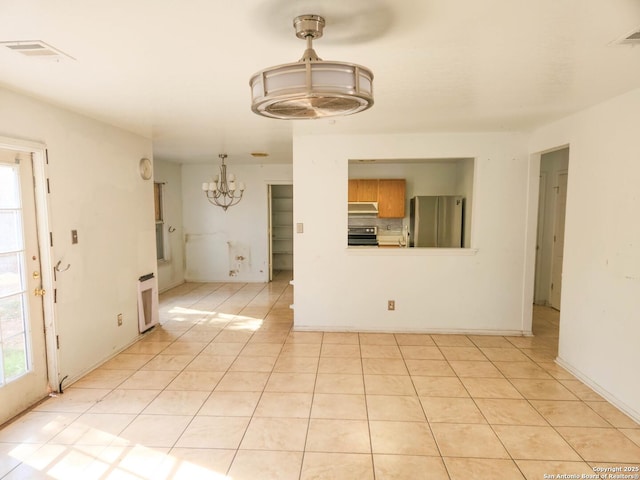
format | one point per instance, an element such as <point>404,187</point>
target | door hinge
<point>46,156</point>
<point>552,286</point>
<point>48,187</point>
<point>55,295</point>
<point>57,342</point>
<point>51,239</point>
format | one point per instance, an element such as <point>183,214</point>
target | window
<point>157,200</point>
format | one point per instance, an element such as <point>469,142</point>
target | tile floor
<point>225,390</point>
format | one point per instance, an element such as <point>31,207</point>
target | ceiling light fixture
<point>311,87</point>
<point>223,191</point>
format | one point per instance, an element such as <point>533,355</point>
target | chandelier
<point>223,191</point>
<point>311,87</point>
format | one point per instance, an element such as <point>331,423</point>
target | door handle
<point>39,292</point>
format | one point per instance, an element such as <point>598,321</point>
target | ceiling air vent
<point>632,38</point>
<point>37,49</point>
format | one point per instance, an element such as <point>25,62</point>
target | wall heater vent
<point>147,302</point>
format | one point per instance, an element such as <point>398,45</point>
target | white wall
<point>96,190</point>
<point>214,239</point>
<point>171,270</point>
<point>599,327</point>
<point>434,289</point>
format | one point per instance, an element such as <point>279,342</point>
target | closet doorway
<point>280,229</point>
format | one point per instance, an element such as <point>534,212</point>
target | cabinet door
<point>391,198</point>
<point>353,190</point>
<point>367,190</point>
<point>363,190</point>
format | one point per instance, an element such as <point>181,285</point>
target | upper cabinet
<point>389,193</point>
<point>365,190</point>
<point>391,198</point>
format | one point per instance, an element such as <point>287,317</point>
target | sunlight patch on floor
<point>99,462</point>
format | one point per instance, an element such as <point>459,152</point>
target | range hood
<point>363,208</point>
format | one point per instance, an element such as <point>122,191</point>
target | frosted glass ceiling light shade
<point>311,87</point>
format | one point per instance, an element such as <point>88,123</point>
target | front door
<point>23,367</point>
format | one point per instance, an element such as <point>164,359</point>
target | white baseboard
<point>173,285</point>
<point>428,331</point>
<point>80,375</point>
<point>615,401</point>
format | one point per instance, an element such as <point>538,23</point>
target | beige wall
<point>599,326</point>
<point>436,290</point>
<point>96,190</point>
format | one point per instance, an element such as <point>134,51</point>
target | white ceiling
<point>178,72</point>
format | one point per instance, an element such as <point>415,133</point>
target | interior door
<point>558,241</point>
<point>23,367</point>
<point>540,294</point>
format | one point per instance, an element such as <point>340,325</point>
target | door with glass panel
<point>23,369</point>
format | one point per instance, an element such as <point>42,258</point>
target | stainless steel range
<point>363,236</point>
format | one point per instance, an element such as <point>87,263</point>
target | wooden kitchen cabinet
<point>363,190</point>
<point>388,192</point>
<point>391,198</point>
<point>353,190</point>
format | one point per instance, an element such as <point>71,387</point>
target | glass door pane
<point>14,352</point>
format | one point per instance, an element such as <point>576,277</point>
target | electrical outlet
<point>119,319</point>
<point>391,305</point>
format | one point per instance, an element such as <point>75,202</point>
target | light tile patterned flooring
<point>225,390</point>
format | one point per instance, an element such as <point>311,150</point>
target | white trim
<point>270,230</point>
<point>615,401</point>
<point>46,266</point>
<point>542,201</point>
<point>429,331</point>
<point>22,145</point>
<point>173,285</point>
<point>530,225</point>
<point>83,373</point>
<point>271,183</point>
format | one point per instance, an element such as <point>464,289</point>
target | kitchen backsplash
<point>388,226</point>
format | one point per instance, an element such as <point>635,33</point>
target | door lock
<point>36,275</point>
<point>39,292</point>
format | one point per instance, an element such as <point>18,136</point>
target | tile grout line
<point>528,400</point>
<point>366,407</point>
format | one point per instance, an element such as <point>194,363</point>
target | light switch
<point>74,236</point>
<point>299,227</point>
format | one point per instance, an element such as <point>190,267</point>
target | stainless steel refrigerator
<point>436,221</point>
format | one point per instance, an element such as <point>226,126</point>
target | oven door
<point>362,236</point>
<point>362,240</point>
